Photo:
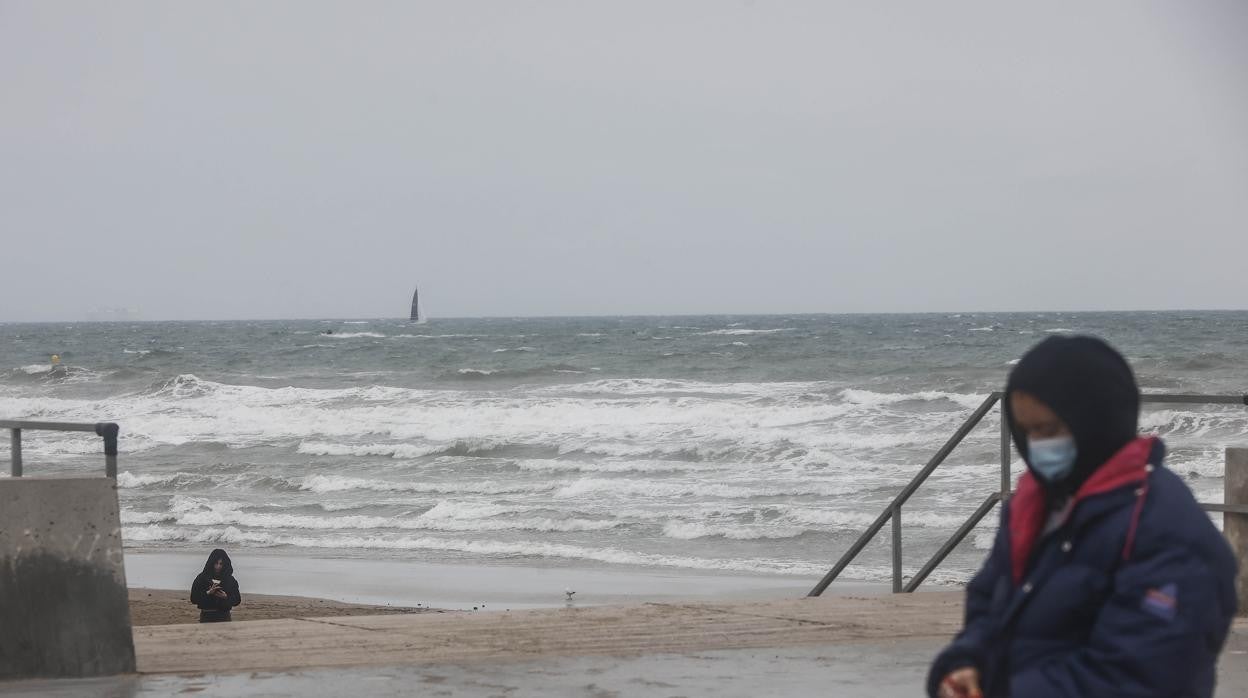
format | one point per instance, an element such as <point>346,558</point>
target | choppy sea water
<point>761,444</point>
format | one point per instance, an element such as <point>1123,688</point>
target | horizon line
<point>636,315</point>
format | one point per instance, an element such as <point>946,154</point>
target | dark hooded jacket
<point>199,589</point>
<point>1133,594</point>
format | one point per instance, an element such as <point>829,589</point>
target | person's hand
<point>219,593</point>
<point>961,683</point>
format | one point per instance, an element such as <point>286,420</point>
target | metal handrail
<point>893,510</point>
<point>107,430</point>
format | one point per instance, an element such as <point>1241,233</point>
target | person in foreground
<point>215,591</point>
<point>1106,577</point>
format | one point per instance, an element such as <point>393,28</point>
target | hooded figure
<point>215,591</point>
<point>1106,577</point>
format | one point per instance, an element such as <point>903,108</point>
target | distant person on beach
<point>1106,577</point>
<point>215,590</point>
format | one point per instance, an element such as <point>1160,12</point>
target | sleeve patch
<point>1161,601</point>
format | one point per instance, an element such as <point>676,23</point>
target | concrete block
<point>63,603</point>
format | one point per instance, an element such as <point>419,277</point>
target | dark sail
<point>415,306</point>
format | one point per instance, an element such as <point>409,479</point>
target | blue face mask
<point>1052,459</point>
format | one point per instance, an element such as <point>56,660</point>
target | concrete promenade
<point>877,646</point>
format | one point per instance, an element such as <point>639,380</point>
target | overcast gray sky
<point>317,159</point>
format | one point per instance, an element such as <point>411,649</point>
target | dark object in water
<point>416,305</point>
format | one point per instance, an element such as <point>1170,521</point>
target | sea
<point>751,444</point>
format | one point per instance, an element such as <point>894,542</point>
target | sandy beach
<point>171,607</point>
<point>413,584</point>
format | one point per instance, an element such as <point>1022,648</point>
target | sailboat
<point>416,306</point>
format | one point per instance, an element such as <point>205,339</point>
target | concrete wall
<point>63,601</point>
<point>1235,526</point>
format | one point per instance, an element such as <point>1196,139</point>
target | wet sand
<point>168,607</point>
<point>465,587</point>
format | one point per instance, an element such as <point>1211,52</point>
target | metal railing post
<point>109,431</point>
<point>909,489</point>
<point>953,542</point>
<point>893,510</point>
<point>1006,443</point>
<point>15,451</point>
<point>897,549</point>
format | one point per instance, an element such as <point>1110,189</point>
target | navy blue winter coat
<point>1132,596</point>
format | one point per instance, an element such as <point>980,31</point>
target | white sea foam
<point>634,419</point>
<point>320,448</point>
<point>1212,465</point>
<point>534,549</point>
<point>355,335</point>
<point>204,513</point>
<point>129,517</point>
<point>616,419</point>
<point>504,350</point>
<point>457,509</point>
<point>340,483</point>
<point>625,387</point>
<point>477,371</point>
<point>745,331</point>
<point>683,530</point>
<point>128,480</point>
<point>859,518</point>
<point>868,397</point>
<point>650,488</point>
<point>614,466</point>
<point>1226,424</point>
<point>438,336</point>
<point>984,536</point>
<point>34,369</point>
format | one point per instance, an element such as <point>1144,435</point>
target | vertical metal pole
<point>897,550</point>
<point>15,451</point>
<point>1006,443</point>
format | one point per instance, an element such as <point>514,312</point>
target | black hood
<point>212,557</point>
<point>1091,387</point>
